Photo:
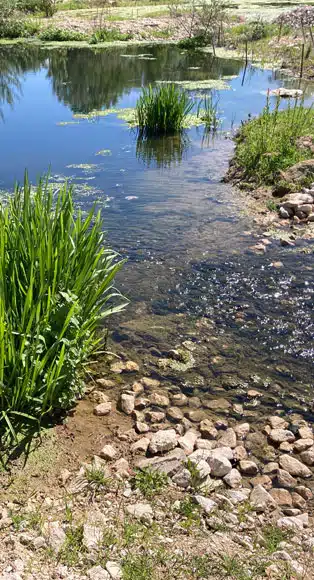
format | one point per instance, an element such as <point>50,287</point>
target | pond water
<point>191,276</point>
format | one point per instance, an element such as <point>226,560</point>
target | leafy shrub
<point>268,144</point>
<point>55,283</point>
<point>162,110</point>
<point>11,28</point>
<point>108,35</point>
<point>193,42</point>
<point>60,35</point>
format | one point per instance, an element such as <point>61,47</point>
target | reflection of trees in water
<point>87,79</point>
<point>164,151</point>
<point>14,63</point>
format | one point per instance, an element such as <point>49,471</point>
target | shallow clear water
<point>190,272</point>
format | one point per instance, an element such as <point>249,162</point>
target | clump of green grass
<point>162,110</point>
<point>273,536</point>
<point>73,548</point>
<point>138,567</point>
<point>150,482</point>
<point>269,143</point>
<point>56,280</point>
<point>60,35</point>
<point>109,35</point>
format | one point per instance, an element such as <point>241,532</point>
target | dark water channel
<point>191,276</point>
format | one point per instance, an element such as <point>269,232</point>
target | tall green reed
<point>207,110</point>
<point>56,287</point>
<point>162,110</point>
<point>269,143</point>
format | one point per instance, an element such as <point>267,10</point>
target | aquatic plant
<point>208,112</point>
<point>56,280</point>
<point>218,84</point>
<point>108,35</point>
<point>269,143</point>
<point>162,110</point>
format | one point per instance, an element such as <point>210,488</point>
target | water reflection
<point>88,79</point>
<point>162,152</point>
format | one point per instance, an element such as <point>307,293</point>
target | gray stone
<point>98,573</point>
<point>92,536</point>
<point>114,570</point>
<point>203,469</point>
<point>284,479</point>
<point>208,430</point>
<point>108,452</point>
<point>55,535</point>
<point>225,451</point>
<point>208,505</point>
<point>239,453</point>
<point>281,496</point>
<point>140,511</point>
<point>248,467</point>
<point>261,500</point>
<point>141,427</point>
<point>127,403</point>
<point>302,445</point>
<point>179,399</point>
<point>163,441</point>
<point>228,438</point>
<point>278,422</point>
<point>242,430</point>
<point>308,456</point>
<point>238,496</point>
<point>187,442</point>
<point>182,478</point>
<point>175,414</point>
<point>293,522</point>
<point>159,400</point>
<point>294,466</point>
<point>103,409</point>
<point>306,433</point>
<point>168,464</point>
<point>206,444</point>
<point>140,446</point>
<point>219,464</point>
<point>281,435</point>
<point>271,467</point>
<point>233,478</point>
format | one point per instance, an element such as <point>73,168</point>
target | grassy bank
<point>56,289</point>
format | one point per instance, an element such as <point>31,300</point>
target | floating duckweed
<point>218,84</point>
<point>104,152</point>
<point>64,123</point>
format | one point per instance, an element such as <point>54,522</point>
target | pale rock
<point>248,467</point>
<point>296,567</point>
<point>281,435</point>
<point>285,213</point>
<point>233,478</point>
<point>228,438</point>
<point>122,467</point>
<point>187,442</point>
<point>281,496</point>
<point>163,441</point>
<point>225,451</point>
<point>114,570</point>
<point>306,433</point>
<point>219,464</point>
<point>298,501</point>
<point>270,468</point>
<point>137,388</point>
<point>206,444</point>
<point>196,416</point>
<point>261,500</point>
<point>239,453</point>
<point>140,446</point>
<point>108,452</point>
<point>263,480</point>
<point>284,479</point>
<point>141,403</point>
<point>282,555</point>
<point>141,427</point>
<point>179,400</point>
<point>238,496</point>
<point>103,409</point>
<point>195,402</point>
<point>131,367</point>
<point>242,430</point>
<point>55,535</point>
<point>155,416</point>
<point>294,466</point>
<point>92,536</point>
<point>293,522</point>
<point>304,492</point>
<point>208,505</point>
<point>308,456</point>
<point>106,383</point>
<point>98,573</point>
<point>98,397</point>
<point>149,383</point>
<point>140,511</point>
<point>65,475</point>
<point>286,447</point>
<point>278,422</point>
<point>182,478</point>
<point>175,414</point>
<point>203,469</point>
<point>199,455</point>
<point>207,429</point>
<point>159,400</point>
<point>127,403</point>
<point>169,464</point>
<point>302,445</point>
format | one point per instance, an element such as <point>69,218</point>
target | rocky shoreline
<point>225,487</point>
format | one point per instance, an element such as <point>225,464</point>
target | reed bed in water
<point>162,110</point>
<point>56,279</point>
